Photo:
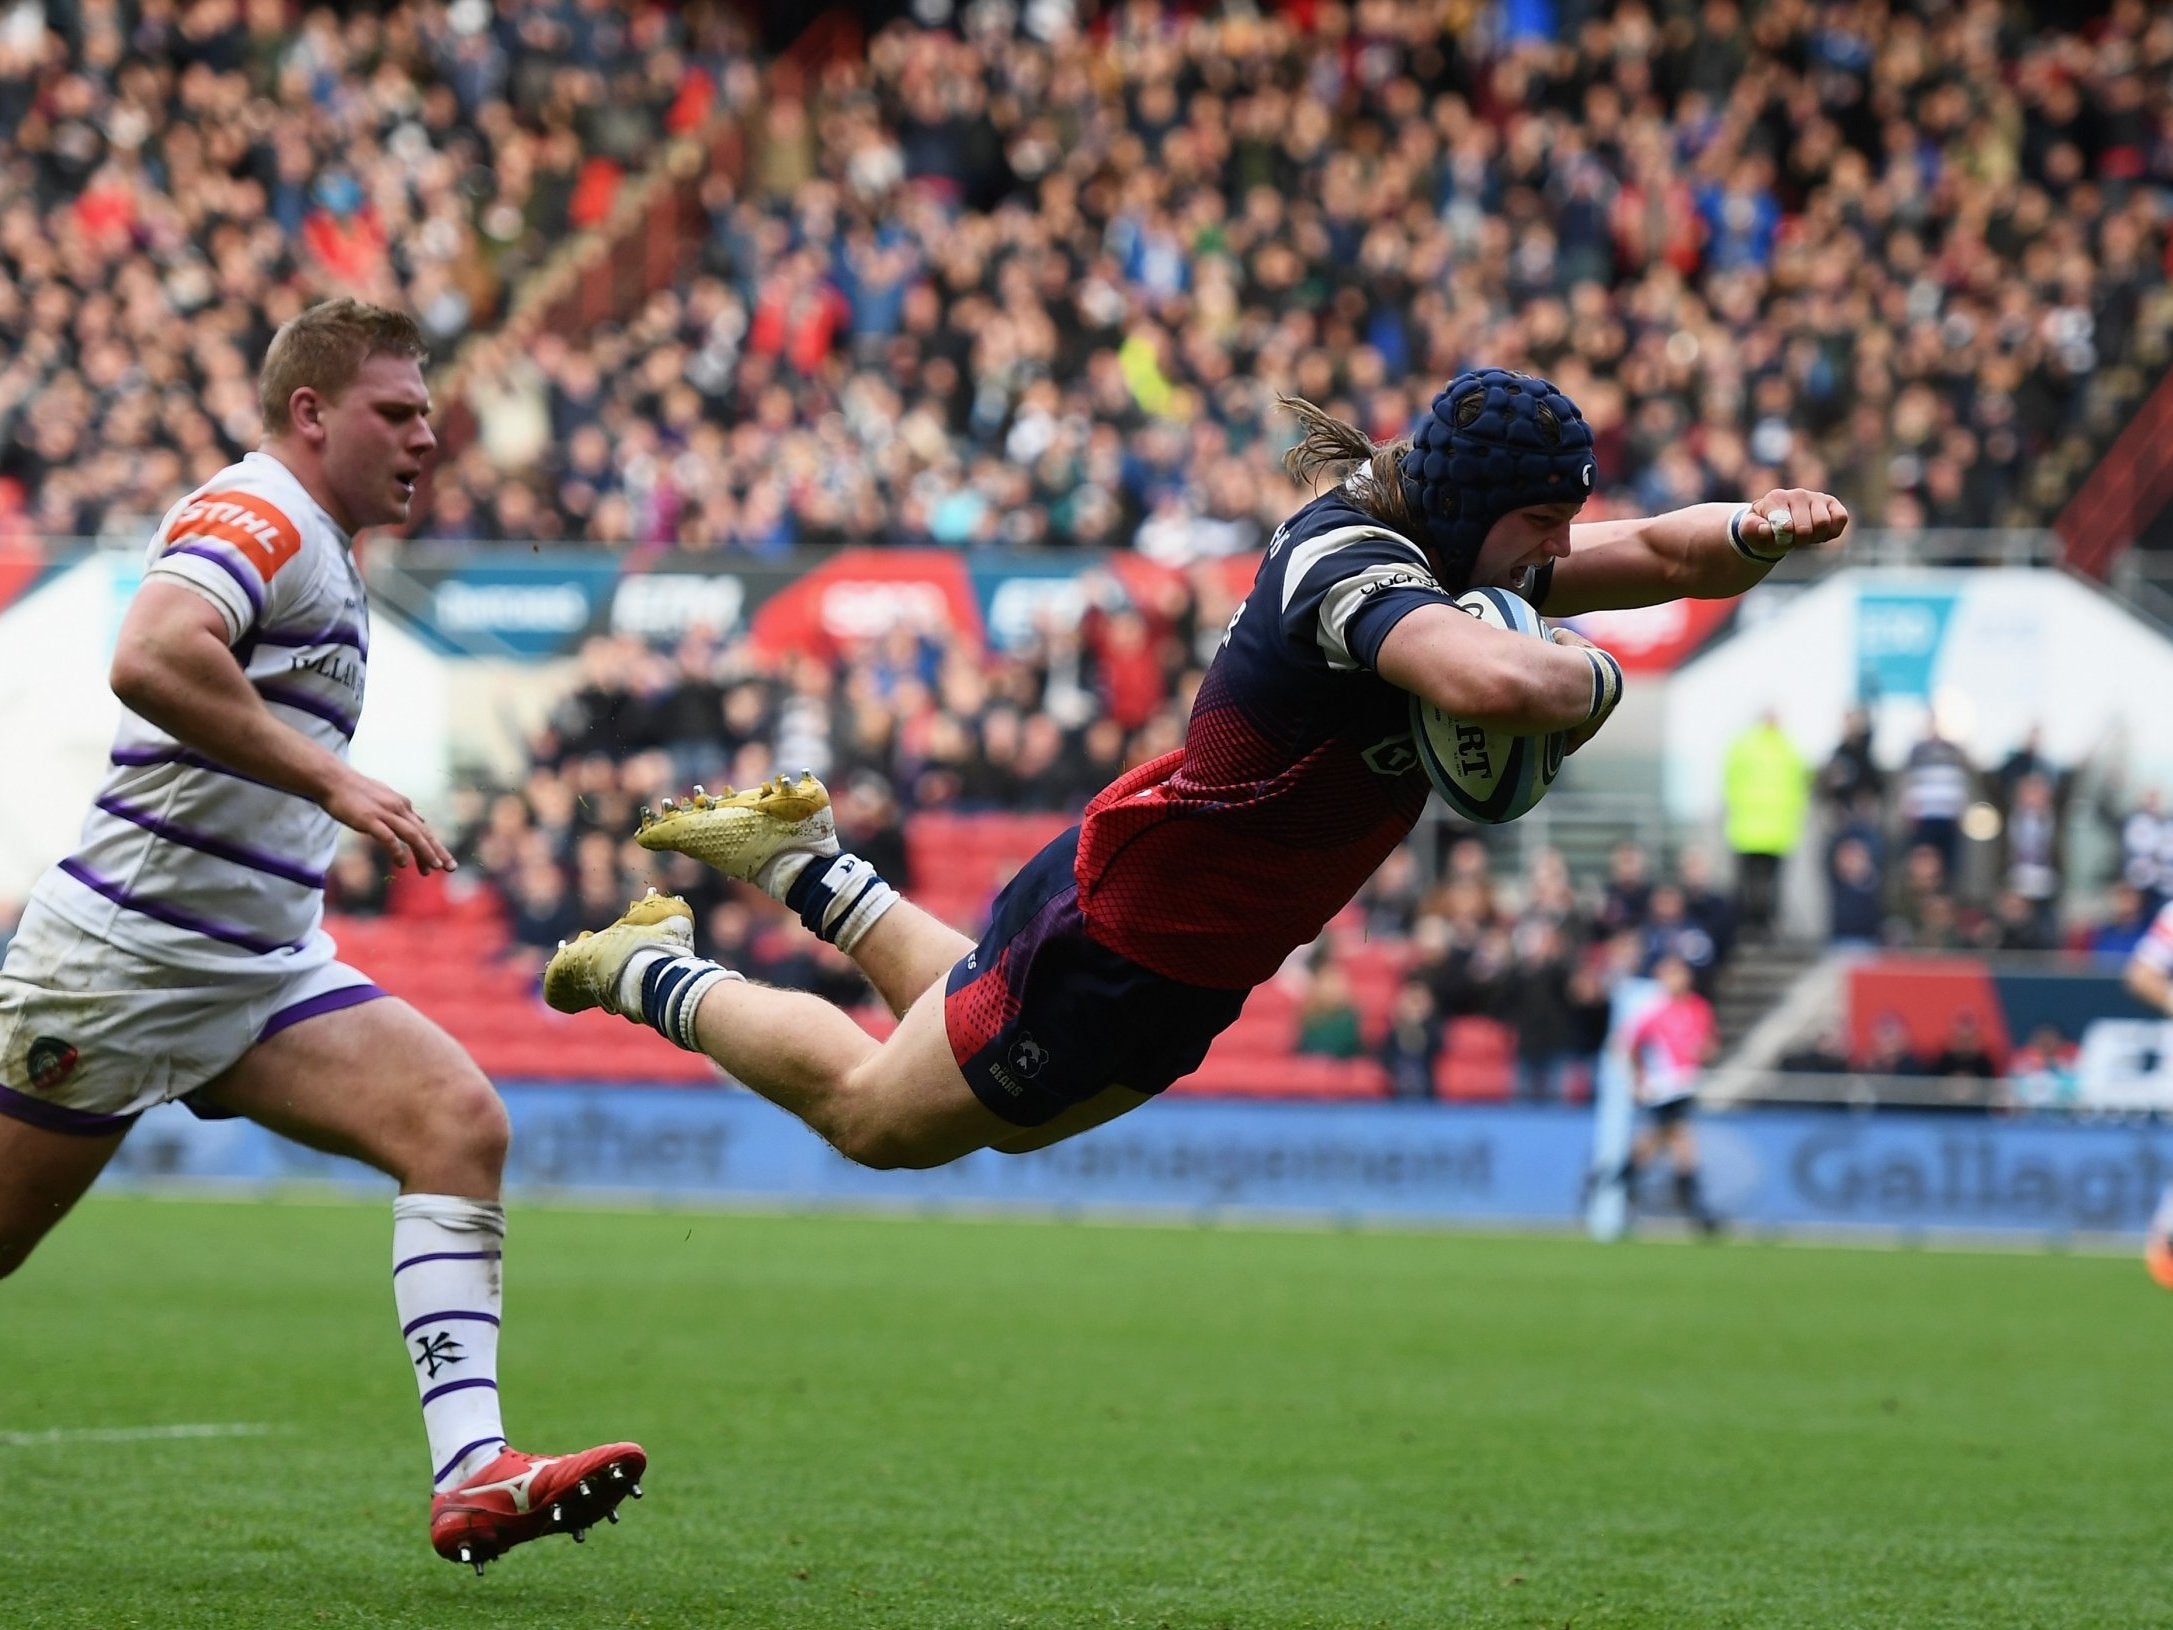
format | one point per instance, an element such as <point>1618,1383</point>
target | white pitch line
<point>132,1434</point>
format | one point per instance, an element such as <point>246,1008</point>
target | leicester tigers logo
<point>51,1062</point>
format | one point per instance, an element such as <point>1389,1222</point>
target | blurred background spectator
<point>1766,794</point>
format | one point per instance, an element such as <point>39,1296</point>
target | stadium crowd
<point>984,287</point>
<point>178,179</point>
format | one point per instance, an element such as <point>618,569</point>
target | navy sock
<point>672,989</point>
<point>840,899</point>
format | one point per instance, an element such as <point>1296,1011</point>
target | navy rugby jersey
<point>1297,777</point>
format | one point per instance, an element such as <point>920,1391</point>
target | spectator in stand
<point>1766,793</point>
<point>1937,783</point>
<point>1328,1025</point>
<point>1628,897</point>
<point>1852,776</point>
<point>2017,924</point>
<point>2030,863</point>
<point>1856,909</point>
<point>1390,899</point>
<point>2028,759</point>
<point>1965,1053</point>
<point>869,814</point>
<point>1890,1053</point>
<point>2127,920</point>
<point>1704,904</point>
<point>2146,844</point>
<point>1411,1046</point>
<point>358,883</point>
<point>1828,1054</point>
<point>1923,878</point>
<point>1537,1006</point>
<point>1671,933</point>
<point>2042,1070</point>
<point>544,912</point>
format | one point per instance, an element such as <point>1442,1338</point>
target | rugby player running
<point>180,953</point>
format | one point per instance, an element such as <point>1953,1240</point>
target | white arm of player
<point>172,666</point>
<point>1485,675</point>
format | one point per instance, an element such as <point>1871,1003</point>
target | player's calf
<point>42,1175</point>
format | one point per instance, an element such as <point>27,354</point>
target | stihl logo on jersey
<point>263,536</point>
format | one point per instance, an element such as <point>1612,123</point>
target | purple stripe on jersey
<point>248,585</point>
<point>240,854</point>
<point>287,696</point>
<point>332,1001</point>
<point>337,634</point>
<point>461,1455</point>
<point>435,1393</point>
<point>446,1256</point>
<point>129,758</point>
<point>77,1123</point>
<point>414,1325</point>
<point>171,915</point>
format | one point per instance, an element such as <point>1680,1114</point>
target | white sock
<point>776,879</point>
<point>446,1254</point>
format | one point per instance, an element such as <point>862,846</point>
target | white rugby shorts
<point>92,1036</point>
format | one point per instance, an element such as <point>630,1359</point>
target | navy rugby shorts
<point>1041,1017</point>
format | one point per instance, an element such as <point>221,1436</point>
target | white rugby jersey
<point>184,861</point>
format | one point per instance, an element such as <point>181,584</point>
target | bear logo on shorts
<point>51,1061</point>
<point>1028,1055</point>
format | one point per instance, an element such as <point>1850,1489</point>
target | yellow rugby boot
<point>743,834</point>
<point>585,971</point>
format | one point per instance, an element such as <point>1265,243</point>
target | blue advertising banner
<point>520,605</point>
<point>1899,636</point>
<point>1765,1170</point>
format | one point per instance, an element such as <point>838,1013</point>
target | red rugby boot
<point>517,1498</point>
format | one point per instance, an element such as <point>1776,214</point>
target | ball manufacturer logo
<point>51,1062</point>
<point>1472,758</point>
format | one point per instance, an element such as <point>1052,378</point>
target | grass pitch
<point>865,1422</point>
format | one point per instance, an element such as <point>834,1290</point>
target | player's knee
<point>467,1124</point>
<point>884,1147</point>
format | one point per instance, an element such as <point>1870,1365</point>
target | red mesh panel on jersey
<point>976,1013</point>
<point>1213,864</point>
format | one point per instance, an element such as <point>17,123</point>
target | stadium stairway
<point>1754,981</point>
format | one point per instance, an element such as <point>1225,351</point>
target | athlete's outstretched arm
<point>1687,554</point>
<point>173,667</point>
<point>1490,676</point>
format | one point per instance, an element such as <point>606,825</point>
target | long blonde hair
<point>1329,446</point>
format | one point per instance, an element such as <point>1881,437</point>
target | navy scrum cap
<point>1492,442</point>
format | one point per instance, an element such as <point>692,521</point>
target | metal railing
<point>1858,1090</point>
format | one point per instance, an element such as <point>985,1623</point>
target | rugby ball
<point>1486,775</point>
